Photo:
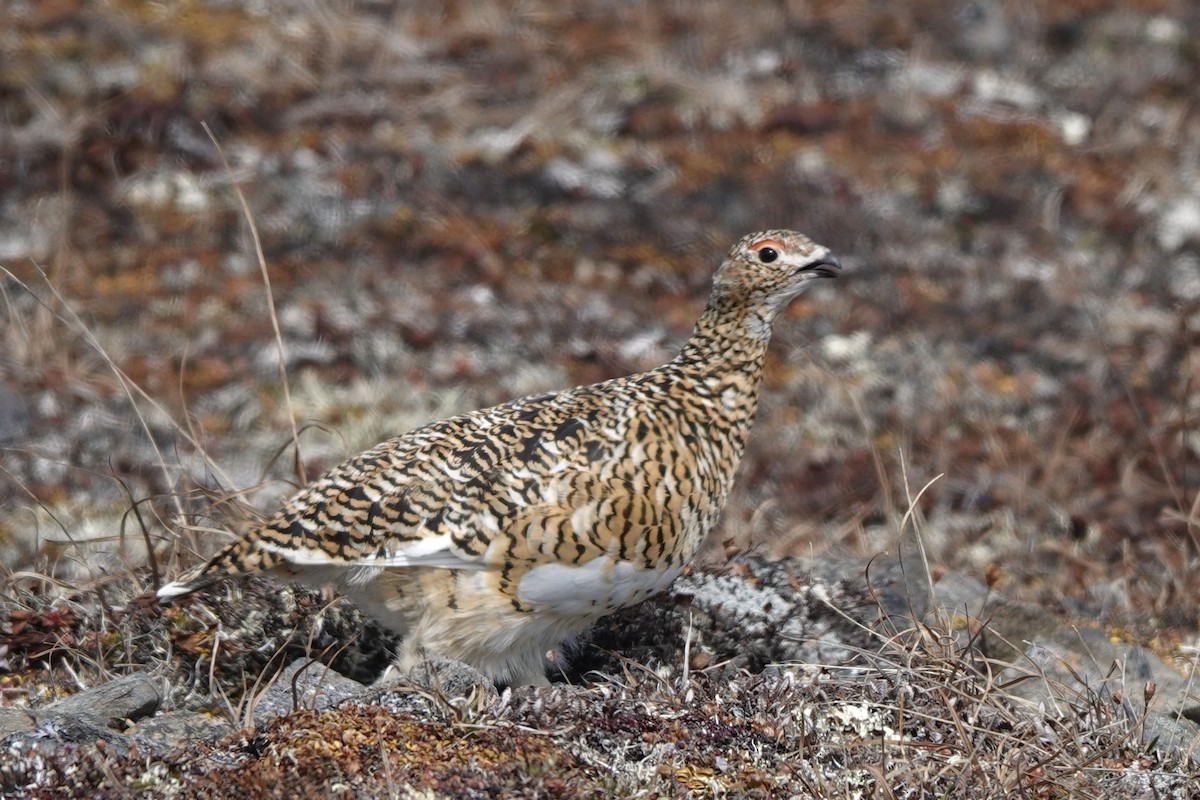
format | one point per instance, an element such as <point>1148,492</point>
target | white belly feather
<point>596,588</point>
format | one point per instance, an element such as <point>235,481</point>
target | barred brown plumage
<point>493,536</point>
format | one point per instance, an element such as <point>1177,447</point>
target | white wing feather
<point>435,551</point>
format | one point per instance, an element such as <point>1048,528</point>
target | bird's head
<point>772,267</point>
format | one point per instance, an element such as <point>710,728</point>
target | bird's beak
<point>827,267</point>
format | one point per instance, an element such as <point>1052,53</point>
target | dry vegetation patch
<point>459,203</point>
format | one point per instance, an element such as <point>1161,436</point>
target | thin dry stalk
<point>266,276</point>
<point>133,391</point>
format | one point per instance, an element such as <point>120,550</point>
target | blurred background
<point>459,203</point>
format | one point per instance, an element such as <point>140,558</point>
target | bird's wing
<point>536,483</point>
<point>568,517</point>
<point>578,542</point>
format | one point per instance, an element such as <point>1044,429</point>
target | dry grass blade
<point>134,393</point>
<point>298,460</point>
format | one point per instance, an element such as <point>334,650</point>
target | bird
<point>496,536</point>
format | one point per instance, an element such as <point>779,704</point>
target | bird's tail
<point>239,558</point>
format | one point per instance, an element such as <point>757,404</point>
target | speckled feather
<point>492,536</point>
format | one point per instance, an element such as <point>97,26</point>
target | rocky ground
<point>459,203</point>
<point>763,679</point>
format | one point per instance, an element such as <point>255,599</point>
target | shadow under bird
<point>494,536</point>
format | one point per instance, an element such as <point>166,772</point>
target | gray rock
<point>1050,661</point>
<point>16,720</point>
<point>432,688</point>
<point>59,735</point>
<point>178,727</point>
<point>905,595</point>
<point>304,684</point>
<point>1069,661</point>
<point>753,613</point>
<point>130,697</point>
<point>451,678</point>
<point>1171,734</point>
<point>80,721</point>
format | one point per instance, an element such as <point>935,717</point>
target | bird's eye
<point>767,254</point>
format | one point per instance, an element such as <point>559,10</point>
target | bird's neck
<point>730,339</point>
<point>723,365</point>
<point>721,368</point>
